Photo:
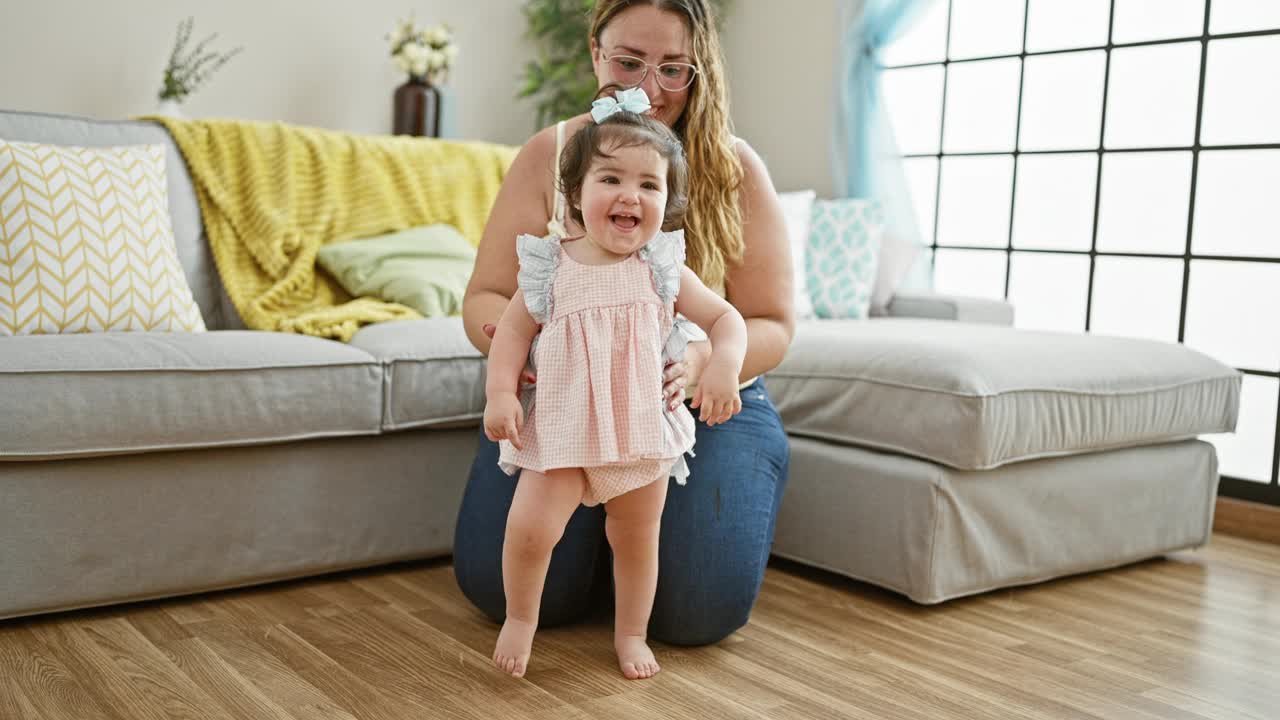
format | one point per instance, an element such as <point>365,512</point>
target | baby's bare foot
<point>515,642</point>
<point>634,657</point>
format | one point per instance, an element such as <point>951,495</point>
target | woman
<point>717,530</point>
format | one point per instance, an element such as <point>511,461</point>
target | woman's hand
<point>526,376</point>
<point>679,375</point>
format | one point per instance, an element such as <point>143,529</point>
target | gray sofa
<point>936,455</point>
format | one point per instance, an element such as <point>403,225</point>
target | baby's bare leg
<point>632,525</point>
<point>539,511</point>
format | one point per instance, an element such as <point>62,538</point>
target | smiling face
<point>624,197</point>
<point>655,36</point>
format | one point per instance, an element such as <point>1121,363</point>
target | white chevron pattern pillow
<point>86,242</point>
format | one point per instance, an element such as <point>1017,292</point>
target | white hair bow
<point>633,100</point>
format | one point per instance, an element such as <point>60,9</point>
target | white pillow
<point>796,208</point>
<point>896,259</point>
<point>86,243</point>
<point>843,256</point>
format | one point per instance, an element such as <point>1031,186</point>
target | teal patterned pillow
<point>843,253</point>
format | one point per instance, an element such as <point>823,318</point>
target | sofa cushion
<point>434,377</point>
<point>973,396</point>
<point>107,393</point>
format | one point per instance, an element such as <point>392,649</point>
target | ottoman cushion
<point>973,396</point>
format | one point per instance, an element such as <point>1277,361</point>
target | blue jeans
<point>716,533</point>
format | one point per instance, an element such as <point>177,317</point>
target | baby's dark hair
<point>620,130</point>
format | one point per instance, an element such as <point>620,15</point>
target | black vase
<point>416,109</point>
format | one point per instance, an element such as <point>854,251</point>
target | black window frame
<point>1235,487</point>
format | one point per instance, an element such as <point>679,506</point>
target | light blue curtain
<point>867,161</point>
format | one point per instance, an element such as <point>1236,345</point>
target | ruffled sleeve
<point>683,332</point>
<point>665,257</point>
<point>539,257</point>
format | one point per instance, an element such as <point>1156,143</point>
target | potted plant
<point>185,73</point>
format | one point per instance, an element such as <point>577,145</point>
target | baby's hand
<point>504,418</point>
<point>717,395</point>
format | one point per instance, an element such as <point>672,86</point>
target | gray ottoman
<point>940,459</point>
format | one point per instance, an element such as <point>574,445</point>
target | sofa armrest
<point>950,307</point>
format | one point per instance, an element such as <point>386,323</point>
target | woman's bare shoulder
<point>539,151</point>
<point>752,165</point>
<point>529,181</point>
<point>757,186</point>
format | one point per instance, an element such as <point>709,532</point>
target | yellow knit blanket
<point>272,194</point>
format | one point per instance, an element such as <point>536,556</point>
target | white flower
<point>425,51</point>
<point>401,32</point>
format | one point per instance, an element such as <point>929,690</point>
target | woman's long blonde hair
<point>713,224</point>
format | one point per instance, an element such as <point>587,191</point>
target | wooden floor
<point>1196,635</point>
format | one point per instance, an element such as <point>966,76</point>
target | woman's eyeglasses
<point>630,71</point>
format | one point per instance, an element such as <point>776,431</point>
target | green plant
<point>560,80</point>
<point>185,74</point>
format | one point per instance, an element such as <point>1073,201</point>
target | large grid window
<point>1109,166</point>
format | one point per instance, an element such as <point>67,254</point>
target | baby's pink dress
<point>607,332</point>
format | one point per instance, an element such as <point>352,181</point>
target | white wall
<point>314,62</point>
<point>324,63</point>
<point>782,65</point>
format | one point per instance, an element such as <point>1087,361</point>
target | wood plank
<point>96,670</point>
<point>1190,637</point>
<point>391,592</point>
<point>361,699</point>
<point>45,682</point>
<point>341,593</point>
<point>867,688</point>
<point>1241,518</point>
<point>366,647</point>
<point>397,653</point>
<point>195,609</point>
<point>235,694</point>
<point>240,649</point>
<point>484,680</point>
<point>157,625</point>
<point>292,650</point>
<point>160,682</point>
<point>14,702</point>
<point>1043,680</point>
<point>671,696</point>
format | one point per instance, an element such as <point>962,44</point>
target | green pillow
<point>426,268</point>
